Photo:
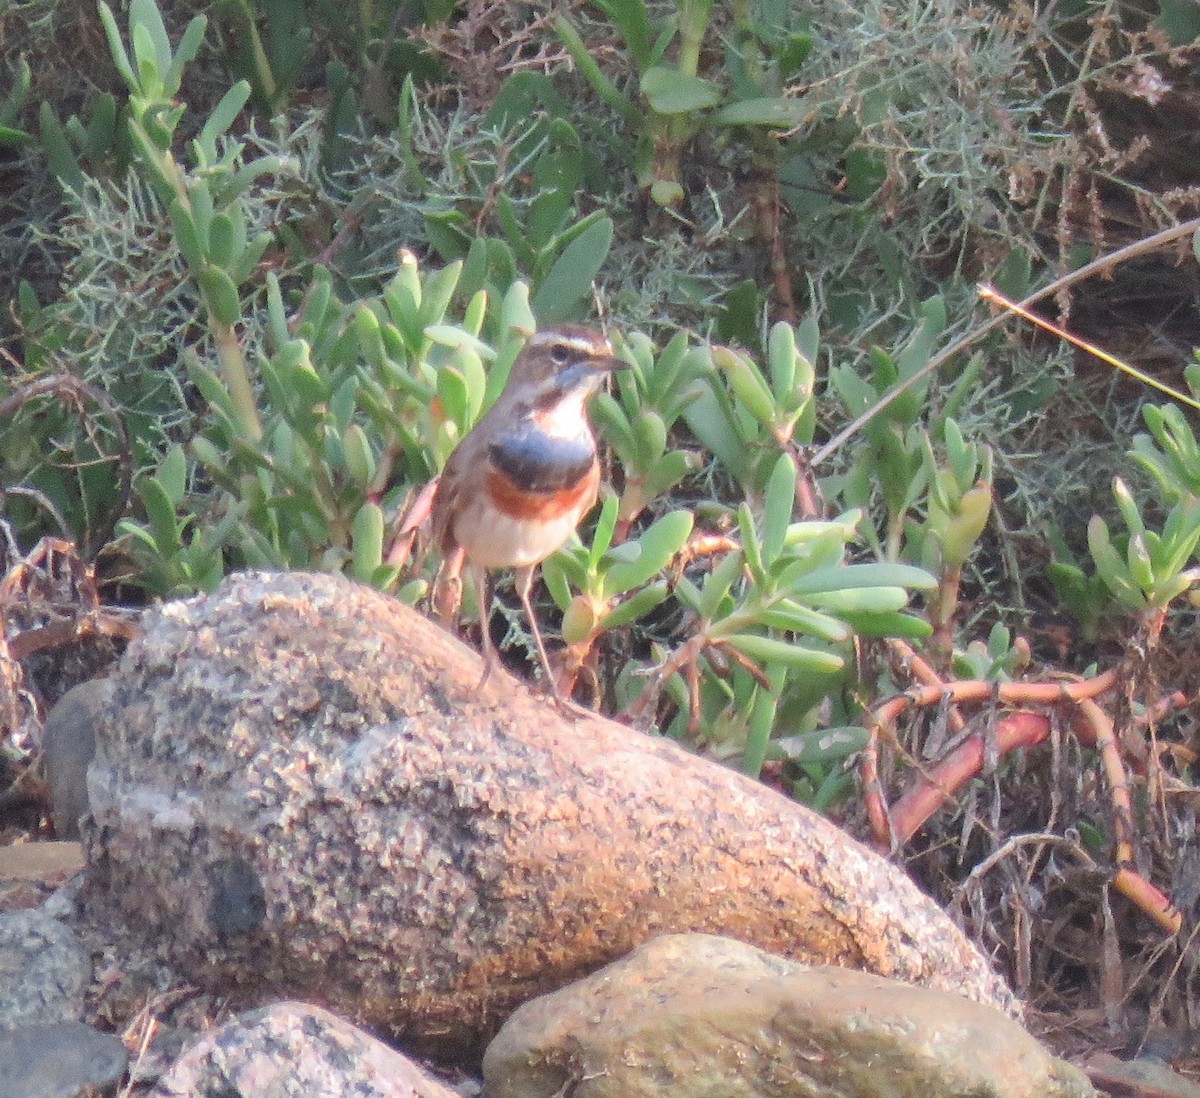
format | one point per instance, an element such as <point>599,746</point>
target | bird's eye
<point>559,354</point>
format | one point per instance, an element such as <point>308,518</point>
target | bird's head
<point>557,363</point>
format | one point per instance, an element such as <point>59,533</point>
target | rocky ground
<point>313,849</point>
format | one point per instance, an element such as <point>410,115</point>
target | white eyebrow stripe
<point>580,343</point>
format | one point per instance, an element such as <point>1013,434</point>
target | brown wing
<point>468,459</point>
<point>444,506</point>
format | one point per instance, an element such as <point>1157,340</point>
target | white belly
<point>498,540</point>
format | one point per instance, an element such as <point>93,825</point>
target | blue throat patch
<point>539,462</point>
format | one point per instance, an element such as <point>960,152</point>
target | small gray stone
<point>1144,1076</point>
<point>699,1016</point>
<point>43,970</point>
<point>68,744</point>
<point>293,1050</point>
<point>59,1060</point>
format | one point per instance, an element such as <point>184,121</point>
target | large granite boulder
<point>301,791</point>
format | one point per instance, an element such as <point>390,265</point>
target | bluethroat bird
<point>524,476</point>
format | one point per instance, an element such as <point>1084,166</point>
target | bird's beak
<point>588,371</point>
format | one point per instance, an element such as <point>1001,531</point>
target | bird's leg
<point>490,658</point>
<point>446,596</point>
<point>523,581</point>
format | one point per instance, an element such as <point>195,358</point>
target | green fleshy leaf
<point>905,626</point>
<point>224,114</point>
<point>220,295</point>
<point>569,279</point>
<point>824,746</point>
<point>10,137</point>
<point>670,91</point>
<point>606,526</point>
<point>366,539</point>
<point>791,617</point>
<point>778,501</point>
<point>637,605</point>
<point>172,474</point>
<point>765,111</point>
<point>845,577</point>
<point>717,585</point>
<point>861,600</point>
<point>769,650</point>
<point>160,510</point>
<point>658,544</point>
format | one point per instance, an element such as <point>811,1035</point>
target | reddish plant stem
<point>1127,881</point>
<point>939,784</point>
<point>922,671</point>
<point>746,664</point>
<point>941,613</point>
<point>405,533</point>
<point>935,787</point>
<point>1004,693</point>
<point>1097,723</point>
<point>684,656</point>
<point>1148,899</point>
<point>878,819</point>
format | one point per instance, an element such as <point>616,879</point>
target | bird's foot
<point>490,662</point>
<point>566,707</point>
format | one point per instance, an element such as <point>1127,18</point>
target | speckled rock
<point>59,1060</point>
<point>301,788</point>
<point>43,970</point>
<point>293,1050</point>
<point>697,1016</point>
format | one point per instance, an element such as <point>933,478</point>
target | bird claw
<point>567,708</point>
<point>487,674</point>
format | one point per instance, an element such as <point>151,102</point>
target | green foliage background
<point>292,250</point>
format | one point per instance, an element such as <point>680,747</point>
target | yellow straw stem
<point>989,294</point>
